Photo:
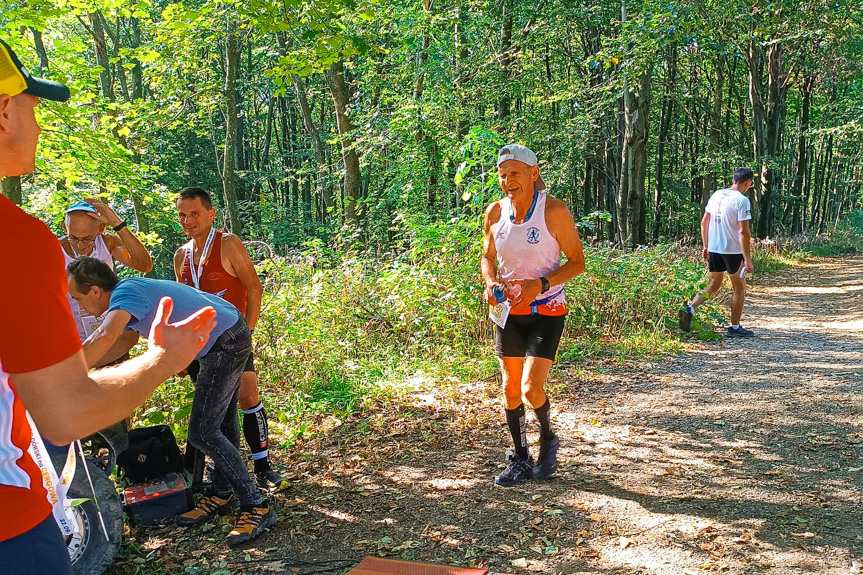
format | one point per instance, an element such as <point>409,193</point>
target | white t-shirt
<point>727,208</point>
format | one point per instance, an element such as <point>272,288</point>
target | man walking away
<point>726,239</point>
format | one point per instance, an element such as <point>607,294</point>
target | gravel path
<point>737,457</point>
<point>741,456</point>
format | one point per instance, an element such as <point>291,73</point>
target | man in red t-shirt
<point>39,346</point>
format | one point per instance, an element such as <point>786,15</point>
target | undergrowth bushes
<point>332,336</point>
<point>339,331</point>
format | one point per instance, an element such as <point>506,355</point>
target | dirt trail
<point>740,457</point>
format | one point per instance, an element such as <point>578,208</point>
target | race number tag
<point>499,313</point>
<point>91,323</point>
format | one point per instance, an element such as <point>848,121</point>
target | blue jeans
<point>213,425</point>
<point>40,551</point>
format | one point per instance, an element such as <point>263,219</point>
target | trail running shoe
<point>208,507</point>
<point>270,480</point>
<point>516,471</point>
<point>546,464</point>
<point>739,332</point>
<point>251,523</point>
<point>684,319</point>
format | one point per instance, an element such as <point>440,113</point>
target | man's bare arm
<point>560,224</point>
<point>562,227</point>
<point>488,261</point>
<point>705,230</point>
<point>100,342</point>
<point>66,404</point>
<point>746,244</point>
<point>235,251</point>
<point>128,249</point>
<point>125,247</point>
<point>179,255</point>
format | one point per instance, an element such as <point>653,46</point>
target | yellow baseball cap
<point>15,79</point>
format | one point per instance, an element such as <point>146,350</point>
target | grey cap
<point>524,155</point>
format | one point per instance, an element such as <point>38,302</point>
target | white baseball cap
<point>524,155</point>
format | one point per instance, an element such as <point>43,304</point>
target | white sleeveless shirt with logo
<point>529,251</point>
<point>86,322</point>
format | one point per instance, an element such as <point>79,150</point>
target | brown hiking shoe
<point>250,524</point>
<point>208,507</point>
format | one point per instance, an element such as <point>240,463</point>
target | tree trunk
<point>106,79</point>
<point>341,97</point>
<point>422,138</point>
<point>11,186</point>
<point>504,105</point>
<point>664,125</point>
<point>767,124</point>
<point>229,174</point>
<point>806,90</point>
<point>317,144</point>
<point>711,179</point>
<point>630,197</point>
<point>40,50</point>
<point>462,71</point>
<point>776,89</point>
<point>137,71</point>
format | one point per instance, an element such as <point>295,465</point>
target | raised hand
<point>180,341</point>
<point>106,215</point>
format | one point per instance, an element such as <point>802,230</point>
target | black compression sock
<point>518,429</point>
<point>543,414</point>
<point>256,432</point>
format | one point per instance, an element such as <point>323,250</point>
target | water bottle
<point>499,294</point>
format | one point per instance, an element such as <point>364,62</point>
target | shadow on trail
<point>760,436</point>
<point>742,457</point>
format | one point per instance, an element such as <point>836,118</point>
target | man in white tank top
<point>526,232</point>
<point>726,237</point>
<point>84,223</point>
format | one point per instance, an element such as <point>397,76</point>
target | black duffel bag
<point>152,453</point>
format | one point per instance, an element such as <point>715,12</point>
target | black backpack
<point>152,453</point>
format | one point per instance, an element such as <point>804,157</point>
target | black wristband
<point>119,226</point>
<point>545,284</point>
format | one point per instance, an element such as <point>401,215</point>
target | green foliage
<point>434,89</point>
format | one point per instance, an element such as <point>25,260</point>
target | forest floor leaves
<point>740,456</point>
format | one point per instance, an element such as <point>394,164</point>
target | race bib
<point>499,313</point>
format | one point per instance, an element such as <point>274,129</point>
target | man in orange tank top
<point>527,226</point>
<point>218,263</point>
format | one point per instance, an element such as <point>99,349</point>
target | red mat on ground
<point>376,566</point>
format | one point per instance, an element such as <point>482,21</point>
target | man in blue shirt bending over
<point>131,305</point>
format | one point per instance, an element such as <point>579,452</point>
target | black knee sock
<point>518,429</point>
<point>543,414</point>
<point>257,435</point>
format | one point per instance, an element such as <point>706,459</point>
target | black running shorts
<point>724,262</point>
<point>529,336</point>
<point>250,364</point>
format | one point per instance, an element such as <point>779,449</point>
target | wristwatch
<point>545,284</point>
